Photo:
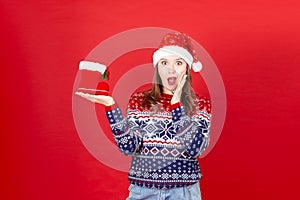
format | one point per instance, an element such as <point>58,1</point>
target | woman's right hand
<point>101,99</point>
<point>178,91</point>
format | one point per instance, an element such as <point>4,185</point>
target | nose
<point>172,67</point>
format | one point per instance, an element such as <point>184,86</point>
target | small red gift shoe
<point>91,73</point>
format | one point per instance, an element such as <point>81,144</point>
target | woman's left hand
<point>178,91</point>
<point>100,99</point>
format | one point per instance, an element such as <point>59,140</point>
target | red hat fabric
<point>178,44</point>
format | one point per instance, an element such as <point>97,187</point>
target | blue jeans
<point>191,192</point>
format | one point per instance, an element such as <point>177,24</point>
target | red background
<point>255,45</point>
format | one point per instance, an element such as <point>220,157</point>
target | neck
<point>167,91</point>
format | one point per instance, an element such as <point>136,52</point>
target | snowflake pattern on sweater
<point>164,142</point>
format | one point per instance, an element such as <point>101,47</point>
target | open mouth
<point>172,80</point>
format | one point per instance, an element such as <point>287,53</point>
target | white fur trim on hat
<point>197,66</point>
<point>92,66</point>
<point>172,50</point>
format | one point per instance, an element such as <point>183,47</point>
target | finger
<point>182,81</point>
<point>86,96</point>
<point>181,77</point>
<point>82,94</point>
<point>184,77</point>
<point>90,98</point>
<point>79,93</point>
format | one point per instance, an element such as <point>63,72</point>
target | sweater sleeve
<point>193,132</point>
<point>125,130</point>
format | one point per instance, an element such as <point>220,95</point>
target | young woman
<point>166,128</point>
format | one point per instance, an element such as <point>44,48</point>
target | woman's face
<point>170,68</point>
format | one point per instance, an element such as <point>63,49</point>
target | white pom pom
<point>92,66</point>
<point>197,66</point>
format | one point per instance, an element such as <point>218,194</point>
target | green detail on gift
<point>104,76</point>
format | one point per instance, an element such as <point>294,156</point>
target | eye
<point>178,62</point>
<point>163,62</point>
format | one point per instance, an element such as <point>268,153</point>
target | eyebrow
<point>175,59</point>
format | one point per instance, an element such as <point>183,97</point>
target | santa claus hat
<point>178,44</point>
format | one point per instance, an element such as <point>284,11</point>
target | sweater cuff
<point>109,108</point>
<point>176,105</point>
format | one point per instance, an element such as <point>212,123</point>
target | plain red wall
<point>255,45</point>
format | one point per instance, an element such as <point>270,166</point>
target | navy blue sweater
<point>164,141</point>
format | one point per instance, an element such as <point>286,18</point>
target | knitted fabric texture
<point>163,140</point>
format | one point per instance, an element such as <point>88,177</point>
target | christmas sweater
<point>163,140</point>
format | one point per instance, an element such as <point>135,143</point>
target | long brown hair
<point>153,95</point>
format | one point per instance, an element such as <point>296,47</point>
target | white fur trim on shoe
<point>92,66</point>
